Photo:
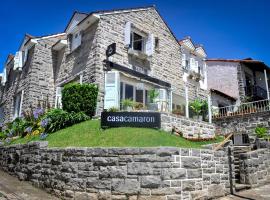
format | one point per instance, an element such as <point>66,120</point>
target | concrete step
<point>239,187</point>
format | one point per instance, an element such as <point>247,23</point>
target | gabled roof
<point>189,44</point>
<point>76,18</point>
<point>114,11</point>
<point>223,94</point>
<point>254,64</point>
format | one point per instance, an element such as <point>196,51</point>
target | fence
<point>242,109</point>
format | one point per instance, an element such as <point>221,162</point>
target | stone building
<point>195,71</point>
<point>242,80</point>
<point>148,56</point>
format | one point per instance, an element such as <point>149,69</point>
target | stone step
<point>239,187</point>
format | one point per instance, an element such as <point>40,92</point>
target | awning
<point>127,70</point>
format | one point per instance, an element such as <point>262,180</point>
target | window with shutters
<point>137,42</point>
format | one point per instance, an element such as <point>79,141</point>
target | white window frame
<point>132,40</point>
<point>76,40</point>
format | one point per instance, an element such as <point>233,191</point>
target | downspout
<point>266,84</point>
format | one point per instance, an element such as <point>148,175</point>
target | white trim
<point>266,84</point>
<point>123,11</point>
<point>21,103</point>
<point>47,37</point>
<point>187,101</point>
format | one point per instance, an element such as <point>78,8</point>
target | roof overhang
<point>59,45</point>
<point>88,21</point>
<point>223,94</point>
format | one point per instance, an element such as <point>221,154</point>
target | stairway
<point>237,150</point>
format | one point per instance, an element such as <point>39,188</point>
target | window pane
<point>139,96</point>
<point>137,42</point>
<point>129,92</point>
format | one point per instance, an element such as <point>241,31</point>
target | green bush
<point>80,98</point>
<point>59,119</point>
<point>261,131</point>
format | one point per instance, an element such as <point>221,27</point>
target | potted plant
<point>197,107</point>
<point>261,134</point>
<point>152,105</point>
<point>127,104</point>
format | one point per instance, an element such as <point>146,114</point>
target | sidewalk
<point>13,189</point>
<point>260,193</point>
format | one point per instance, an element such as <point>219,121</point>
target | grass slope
<point>89,134</point>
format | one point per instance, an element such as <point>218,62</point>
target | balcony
<point>255,93</point>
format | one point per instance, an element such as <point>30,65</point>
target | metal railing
<point>242,109</point>
<point>256,91</point>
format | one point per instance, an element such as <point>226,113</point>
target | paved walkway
<point>260,193</point>
<point>13,189</point>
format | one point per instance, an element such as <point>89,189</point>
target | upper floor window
<point>18,105</point>
<point>137,42</point>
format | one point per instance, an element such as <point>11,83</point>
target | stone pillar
<point>209,107</point>
<point>187,107</point>
<point>266,84</point>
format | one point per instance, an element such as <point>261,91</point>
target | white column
<point>21,104</point>
<point>187,106</point>
<point>209,108</point>
<point>266,84</point>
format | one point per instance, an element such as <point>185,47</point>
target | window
<point>137,42</point>
<point>17,105</point>
<point>156,44</point>
<point>129,91</point>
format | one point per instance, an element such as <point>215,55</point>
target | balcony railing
<point>242,109</point>
<point>256,92</point>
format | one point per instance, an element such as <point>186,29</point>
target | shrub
<point>261,131</point>
<point>59,119</point>
<point>113,109</point>
<point>153,94</point>
<point>127,103</point>
<point>80,98</point>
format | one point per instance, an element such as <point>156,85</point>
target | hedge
<point>80,98</point>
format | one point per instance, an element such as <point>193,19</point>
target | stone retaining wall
<point>190,128</point>
<point>255,167</point>
<point>245,123</point>
<point>165,173</point>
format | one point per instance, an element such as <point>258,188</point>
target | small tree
<point>153,94</point>
<point>197,107</point>
<point>261,132</point>
<point>80,98</point>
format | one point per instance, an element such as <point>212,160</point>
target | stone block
<point>174,173</point>
<point>85,196</point>
<point>194,173</point>
<point>216,191</point>
<point>150,181</point>
<point>190,162</point>
<point>125,186</point>
<point>188,185</point>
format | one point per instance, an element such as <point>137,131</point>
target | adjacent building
<point>233,81</point>
<point>148,56</point>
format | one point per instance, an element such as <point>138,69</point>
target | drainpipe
<point>209,108</point>
<point>187,107</point>
<point>266,84</point>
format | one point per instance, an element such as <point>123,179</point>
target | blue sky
<point>227,29</point>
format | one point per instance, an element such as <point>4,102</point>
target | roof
<point>197,48</point>
<point>254,64</point>
<point>223,94</point>
<point>125,10</point>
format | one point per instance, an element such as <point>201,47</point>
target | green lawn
<point>89,134</point>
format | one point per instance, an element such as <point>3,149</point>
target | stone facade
<point>255,167</point>
<point>164,173</point>
<point>34,82</point>
<point>232,77</point>
<point>245,123</point>
<point>190,129</point>
<point>48,68</point>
